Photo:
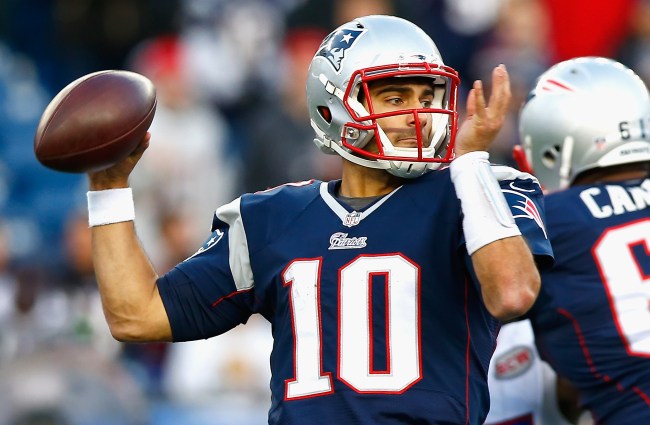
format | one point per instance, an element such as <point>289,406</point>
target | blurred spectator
<point>518,40</point>
<point>280,146</point>
<point>68,386</point>
<point>7,289</point>
<point>458,28</point>
<point>177,238</point>
<point>220,381</point>
<point>86,321</point>
<point>326,15</point>
<point>33,199</point>
<point>345,11</point>
<point>587,27</point>
<point>232,47</point>
<point>42,309</point>
<point>635,51</point>
<point>188,167</point>
<point>70,38</point>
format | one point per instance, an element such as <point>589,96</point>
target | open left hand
<point>484,120</point>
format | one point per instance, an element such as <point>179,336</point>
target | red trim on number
<point>293,329</point>
<point>590,362</point>
<point>610,296</point>
<point>641,242</point>
<point>371,351</point>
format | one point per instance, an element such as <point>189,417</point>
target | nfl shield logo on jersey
<point>352,219</point>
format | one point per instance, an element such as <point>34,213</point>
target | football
<point>95,121</point>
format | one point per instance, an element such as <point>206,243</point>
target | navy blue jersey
<point>592,317</point>
<point>376,314</point>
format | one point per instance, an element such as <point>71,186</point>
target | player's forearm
<point>127,283</point>
<point>508,275</point>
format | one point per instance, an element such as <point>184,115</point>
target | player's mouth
<point>407,142</point>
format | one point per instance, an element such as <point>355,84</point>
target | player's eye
<point>396,101</point>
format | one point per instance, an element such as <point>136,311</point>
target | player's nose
<point>423,118</point>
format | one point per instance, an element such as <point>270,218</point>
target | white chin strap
<point>409,170</point>
<point>370,163</point>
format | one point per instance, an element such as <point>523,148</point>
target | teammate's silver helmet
<point>582,114</point>
<point>371,48</point>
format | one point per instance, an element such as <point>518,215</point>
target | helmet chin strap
<point>353,158</point>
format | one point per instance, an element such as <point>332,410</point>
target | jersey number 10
<point>355,343</point>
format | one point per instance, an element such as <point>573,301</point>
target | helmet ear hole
<point>550,156</point>
<point>325,113</point>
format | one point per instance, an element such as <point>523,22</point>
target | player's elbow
<point>512,307</point>
<point>136,331</point>
<point>124,331</point>
<point>515,298</point>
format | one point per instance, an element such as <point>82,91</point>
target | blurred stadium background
<point>231,118</point>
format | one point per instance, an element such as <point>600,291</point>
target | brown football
<point>95,121</point>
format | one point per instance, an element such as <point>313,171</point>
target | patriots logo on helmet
<point>336,44</point>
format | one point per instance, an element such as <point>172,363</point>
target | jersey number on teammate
<point>626,282</point>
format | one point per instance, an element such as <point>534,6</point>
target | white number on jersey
<point>627,282</point>
<point>355,345</point>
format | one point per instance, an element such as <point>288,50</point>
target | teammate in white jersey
<point>523,387</point>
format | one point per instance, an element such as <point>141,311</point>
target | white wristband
<point>110,206</point>
<point>487,216</point>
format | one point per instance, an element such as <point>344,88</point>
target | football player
<point>585,131</point>
<point>384,288</point>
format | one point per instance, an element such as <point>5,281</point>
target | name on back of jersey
<point>603,202</point>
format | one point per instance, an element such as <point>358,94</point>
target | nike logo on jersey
<point>340,240</point>
<point>521,189</point>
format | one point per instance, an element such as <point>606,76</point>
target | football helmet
<point>584,113</point>
<point>367,49</point>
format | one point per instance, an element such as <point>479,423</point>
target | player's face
<point>396,94</point>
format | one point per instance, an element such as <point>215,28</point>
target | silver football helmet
<point>371,48</point>
<point>584,113</point>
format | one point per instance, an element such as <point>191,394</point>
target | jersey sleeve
<point>526,200</point>
<point>212,291</point>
